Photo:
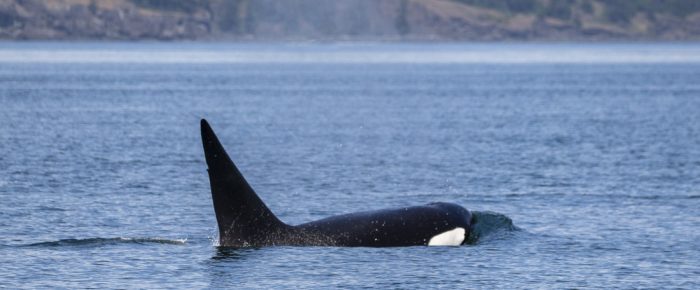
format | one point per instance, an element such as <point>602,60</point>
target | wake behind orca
<point>245,221</point>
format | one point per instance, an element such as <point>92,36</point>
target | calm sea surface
<point>582,162</point>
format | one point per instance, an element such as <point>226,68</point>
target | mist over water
<point>581,165</point>
<point>351,53</point>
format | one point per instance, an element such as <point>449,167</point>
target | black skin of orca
<point>245,221</point>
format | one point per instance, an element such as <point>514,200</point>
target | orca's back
<point>408,226</point>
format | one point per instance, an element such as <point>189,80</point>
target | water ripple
<point>98,242</point>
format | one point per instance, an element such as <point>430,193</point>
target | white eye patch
<point>453,237</point>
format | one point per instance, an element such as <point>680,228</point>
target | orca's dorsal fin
<point>243,219</point>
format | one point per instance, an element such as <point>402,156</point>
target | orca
<point>245,221</point>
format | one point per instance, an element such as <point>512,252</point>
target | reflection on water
<point>232,254</point>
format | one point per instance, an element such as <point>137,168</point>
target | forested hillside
<point>381,20</point>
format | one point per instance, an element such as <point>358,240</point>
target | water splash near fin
<point>487,225</point>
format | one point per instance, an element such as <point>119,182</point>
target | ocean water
<point>581,162</point>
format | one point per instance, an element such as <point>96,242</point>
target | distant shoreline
<point>350,21</point>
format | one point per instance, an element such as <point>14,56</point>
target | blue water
<point>583,174</point>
